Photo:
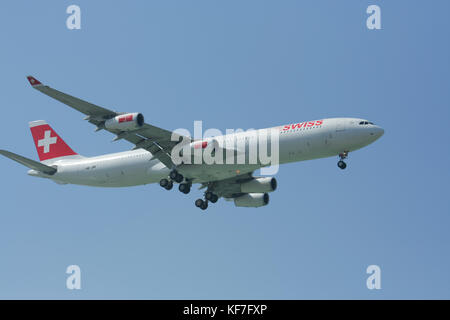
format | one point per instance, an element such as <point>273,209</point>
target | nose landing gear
<point>341,164</point>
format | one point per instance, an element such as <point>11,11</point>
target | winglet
<point>33,81</point>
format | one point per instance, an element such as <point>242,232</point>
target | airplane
<point>151,160</point>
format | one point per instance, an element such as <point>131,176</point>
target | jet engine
<point>125,122</point>
<point>252,200</point>
<point>259,185</point>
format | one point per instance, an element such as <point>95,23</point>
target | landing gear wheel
<point>204,205</point>
<point>214,199</point>
<point>341,164</point>
<point>179,178</point>
<point>199,203</point>
<point>163,183</point>
<point>169,186</point>
<point>174,175</point>
<point>211,197</point>
<point>185,188</point>
<point>342,156</point>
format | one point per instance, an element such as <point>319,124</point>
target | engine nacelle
<point>259,185</point>
<point>125,122</point>
<point>252,200</point>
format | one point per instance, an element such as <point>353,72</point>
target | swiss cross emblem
<point>47,141</point>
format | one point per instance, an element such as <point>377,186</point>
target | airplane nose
<point>377,132</point>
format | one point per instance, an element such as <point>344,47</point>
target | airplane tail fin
<point>49,144</point>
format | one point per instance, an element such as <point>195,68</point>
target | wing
<point>157,141</point>
<point>29,163</point>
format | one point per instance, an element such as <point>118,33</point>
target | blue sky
<point>232,64</point>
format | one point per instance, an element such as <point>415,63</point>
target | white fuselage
<point>297,142</point>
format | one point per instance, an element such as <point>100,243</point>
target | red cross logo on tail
<point>48,144</point>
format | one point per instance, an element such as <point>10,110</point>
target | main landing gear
<point>202,204</point>
<point>209,197</point>
<point>184,187</point>
<point>341,164</point>
<point>166,184</point>
<point>175,176</point>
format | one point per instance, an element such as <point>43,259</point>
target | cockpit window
<point>365,123</point>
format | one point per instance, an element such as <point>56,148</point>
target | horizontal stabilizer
<point>29,163</point>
